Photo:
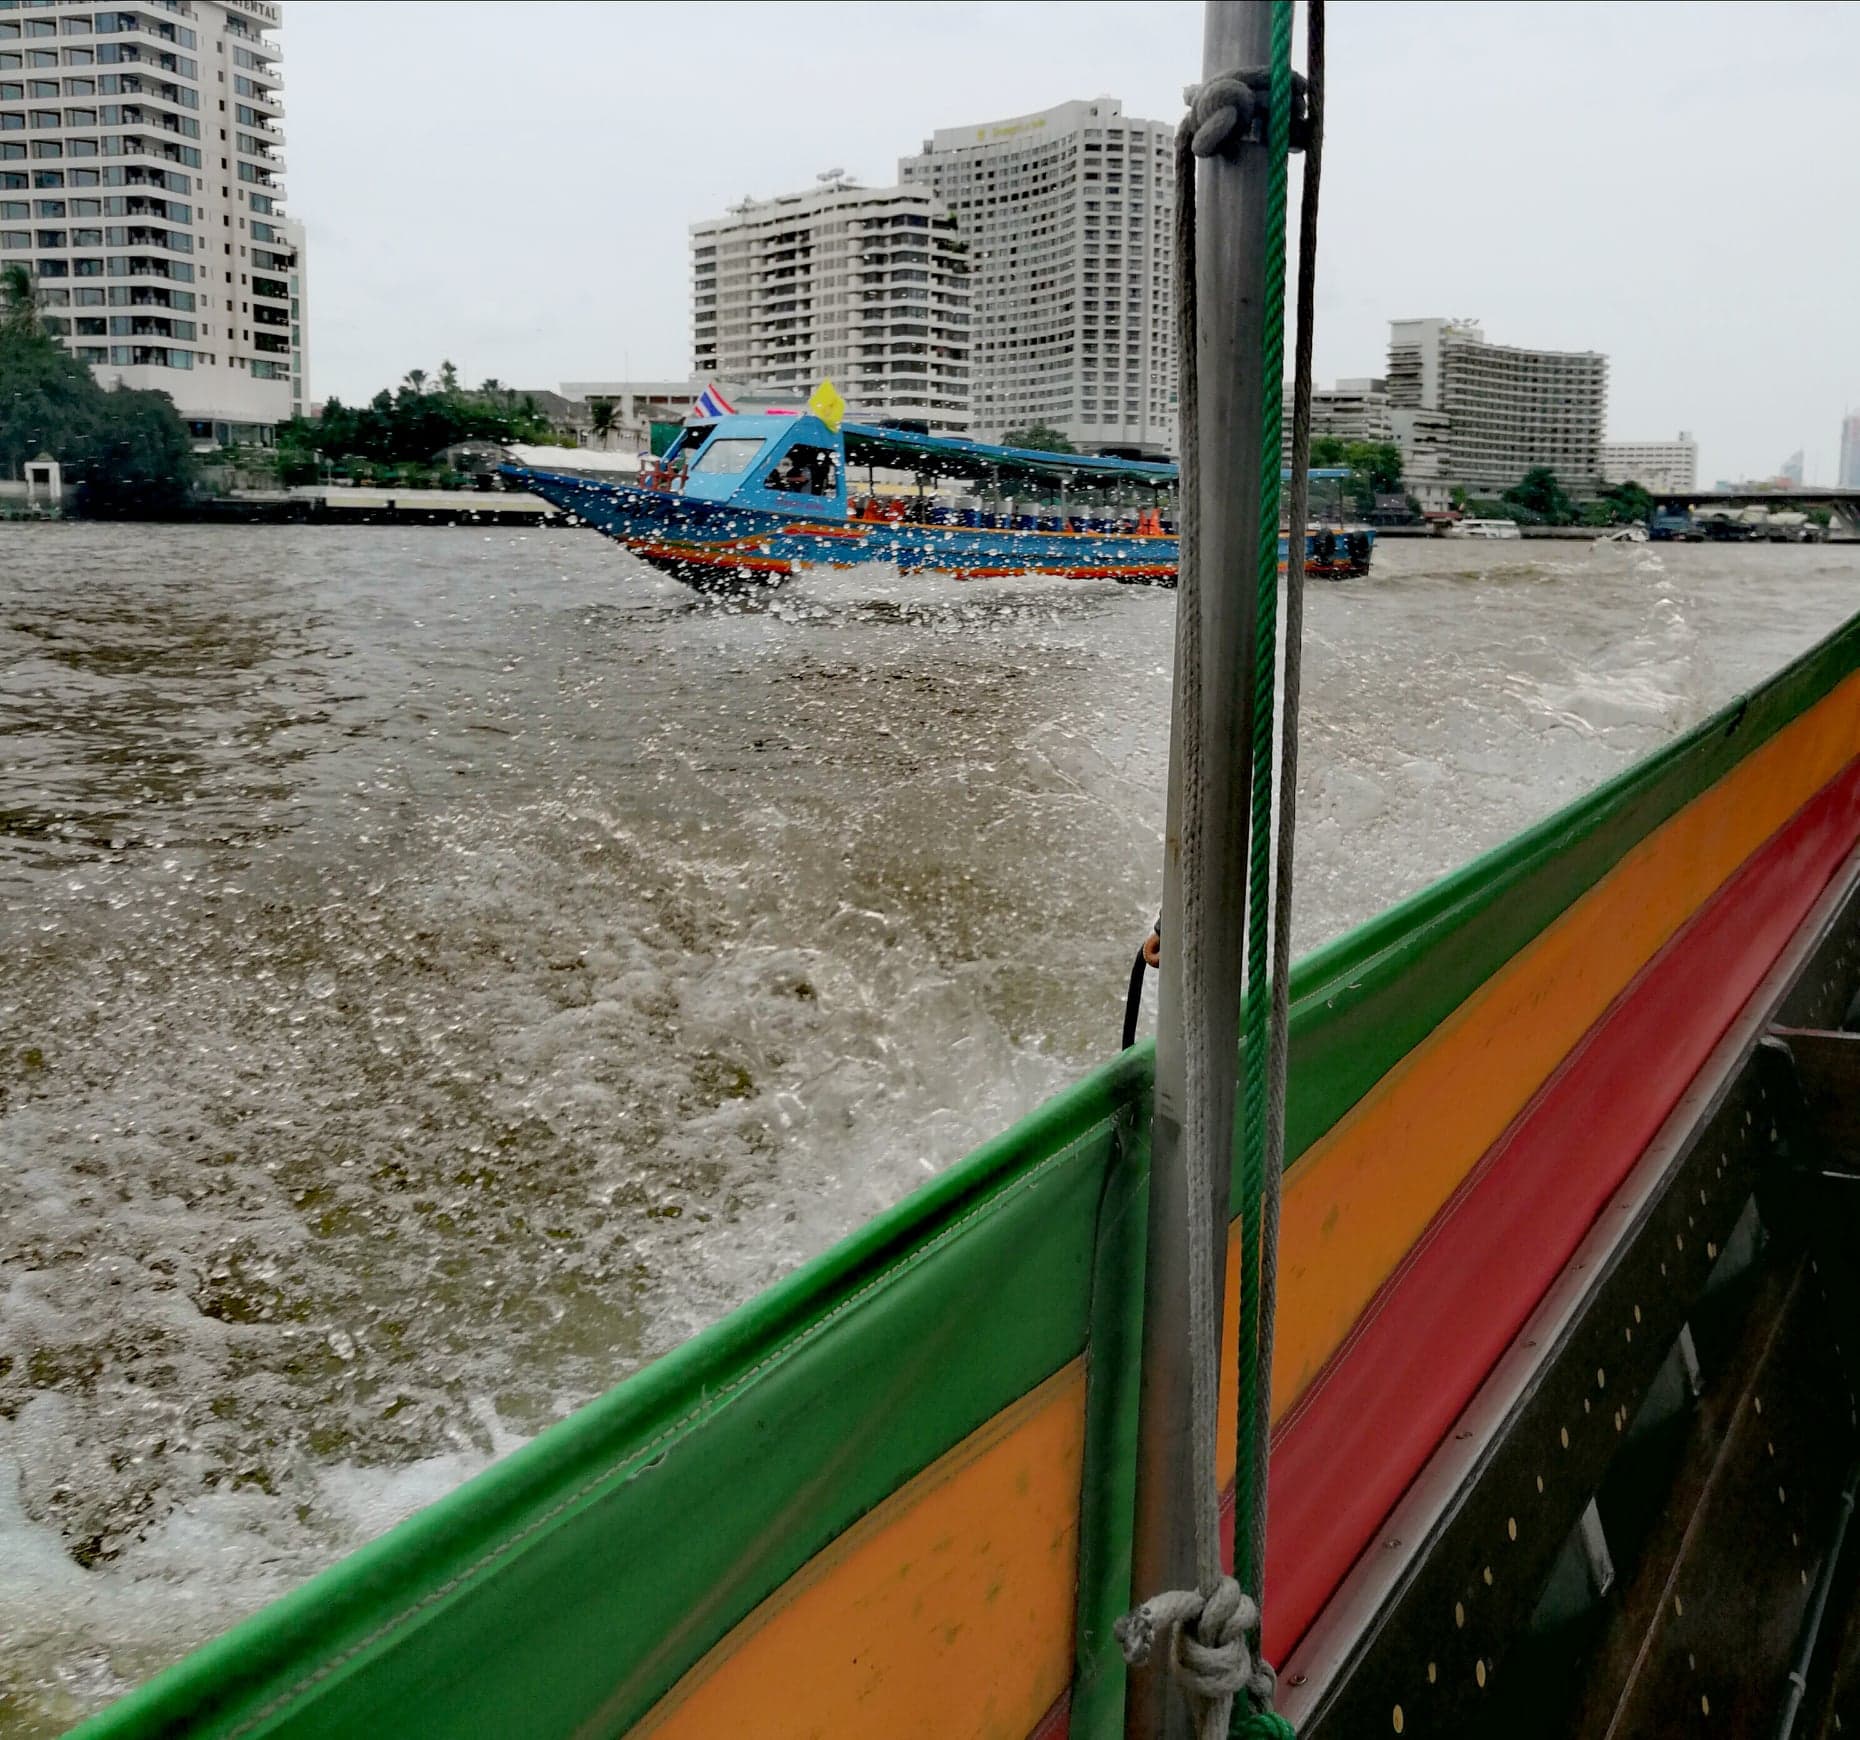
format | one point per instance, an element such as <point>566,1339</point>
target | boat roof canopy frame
<point>971,461</point>
<point>977,461</point>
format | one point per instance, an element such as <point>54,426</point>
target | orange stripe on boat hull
<point>1134,571</point>
<point>1360,1197</point>
<point>1364,1430</point>
<point>947,1610</point>
<point>726,558</point>
<point>1358,1200</point>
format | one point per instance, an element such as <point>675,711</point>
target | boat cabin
<point>796,467</point>
<point>783,465</point>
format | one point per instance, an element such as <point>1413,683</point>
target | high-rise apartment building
<point>297,281</point>
<point>1850,451</point>
<point>1359,410</point>
<point>141,149</point>
<point>1067,215</point>
<point>1655,465</point>
<point>1352,410</point>
<point>1508,409</point>
<point>868,286</point>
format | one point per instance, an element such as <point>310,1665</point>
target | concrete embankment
<point>404,507</point>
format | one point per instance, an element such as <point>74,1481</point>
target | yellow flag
<point>826,404</point>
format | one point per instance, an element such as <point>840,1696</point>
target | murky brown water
<point>445,969</point>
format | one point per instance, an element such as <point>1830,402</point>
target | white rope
<point>1209,1652</point>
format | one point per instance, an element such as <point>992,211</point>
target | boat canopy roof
<point>950,456</point>
<point>942,456</point>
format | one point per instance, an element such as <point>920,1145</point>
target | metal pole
<point>1231,284</point>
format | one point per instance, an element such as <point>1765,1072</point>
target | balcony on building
<point>140,90</point>
<point>247,89</point>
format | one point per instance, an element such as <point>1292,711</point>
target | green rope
<point>1260,1725</point>
<point>1249,1567</point>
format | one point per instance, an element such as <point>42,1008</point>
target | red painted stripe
<point>1373,1417</point>
<point>1056,1724</point>
<point>1105,573</point>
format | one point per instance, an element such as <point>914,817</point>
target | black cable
<point>1133,999</point>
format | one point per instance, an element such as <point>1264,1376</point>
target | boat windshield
<point>728,456</point>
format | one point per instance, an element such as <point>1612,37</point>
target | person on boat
<point>790,477</point>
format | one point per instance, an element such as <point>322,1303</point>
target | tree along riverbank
<point>126,452</point>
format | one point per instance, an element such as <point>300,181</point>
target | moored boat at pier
<point>1498,529</point>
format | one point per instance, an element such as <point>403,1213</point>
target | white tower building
<point>141,146</point>
<point>868,286</point>
<point>1508,409</point>
<point>1067,215</point>
<point>1654,465</point>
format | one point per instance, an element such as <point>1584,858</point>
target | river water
<point>445,969</point>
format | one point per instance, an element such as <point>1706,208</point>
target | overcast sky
<point>1676,185</point>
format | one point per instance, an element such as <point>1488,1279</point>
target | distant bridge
<point>1845,503</point>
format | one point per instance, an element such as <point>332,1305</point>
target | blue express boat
<point>744,498</point>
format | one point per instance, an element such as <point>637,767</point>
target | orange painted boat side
<point>953,1600</point>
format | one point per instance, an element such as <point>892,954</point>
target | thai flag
<point>712,403</point>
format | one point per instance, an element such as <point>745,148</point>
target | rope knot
<point>1222,112</point>
<point>1230,111</point>
<point>1209,1652</point>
